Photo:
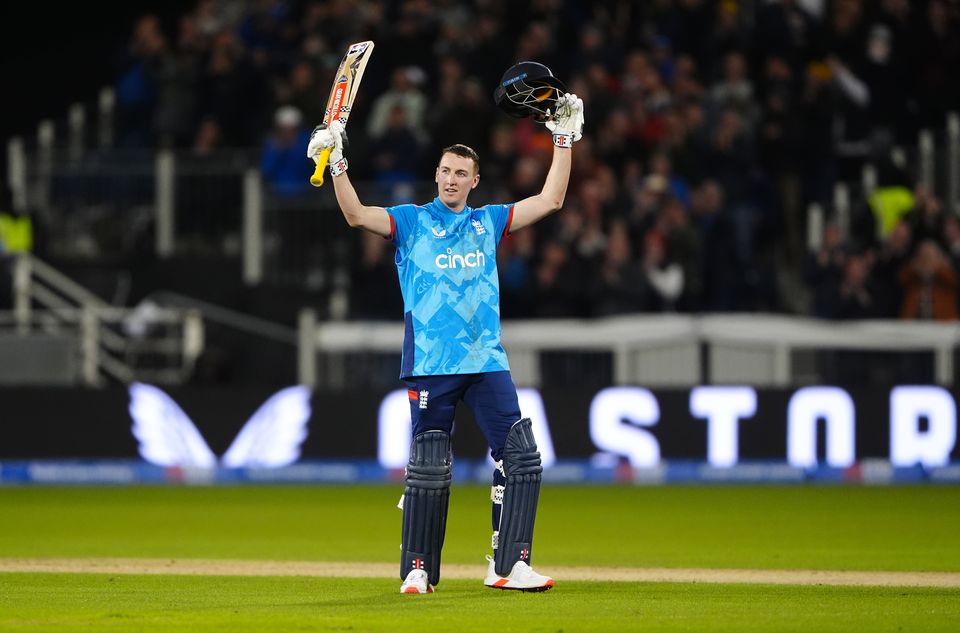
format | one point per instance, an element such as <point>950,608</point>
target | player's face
<point>455,178</point>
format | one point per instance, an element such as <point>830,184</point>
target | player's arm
<point>358,215</point>
<point>567,127</point>
<point>550,199</point>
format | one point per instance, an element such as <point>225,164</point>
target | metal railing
<point>934,161</point>
<point>661,350</point>
<point>148,342</point>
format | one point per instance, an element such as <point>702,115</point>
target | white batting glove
<point>567,123</point>
<point>333,138</point>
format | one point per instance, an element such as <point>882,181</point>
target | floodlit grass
<point>855,528</point>
<point>838,527</point>
<point>80,602</point>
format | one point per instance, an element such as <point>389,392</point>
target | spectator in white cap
<point>282,163</point>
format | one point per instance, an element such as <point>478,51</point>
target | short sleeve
<point>502,216</point>
<point>403,223</point>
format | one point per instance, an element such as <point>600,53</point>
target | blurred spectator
<point>664,276</point>
<point>784,29</point>
<point>894,253</point>
<point>208,137</point>
<point>938,57</point>
<point>926,217</point>
<point>951,235</point>
<point>618,286</point>
<point>929,285</point>
<point>711,127</point>
<point>500,162</point>
<point>136,85</point>
<point>890,204</point>
<point>232,92</point>
<point>783,150</point>
<point>823,271</point>
<point>283,162</point>
<point>819,111</point>
<point>662,167</point>
<point>373,291</point>
<point>559,279</point>
<point>590,240</point>
<point>302,92</point>
<point>720,269</point>
<point>515,261</point>
<point>16,231</point>
<point>405,95</point>
<point>463,115</point>
<point>396,153</point>
<point>683,247</point>
<point>857,296</point>
<point>731,157</point>
<point>727,36</point>
<point>735,90</point>
<point>885,72</point>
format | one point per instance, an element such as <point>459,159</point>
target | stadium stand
<point>794,157</point>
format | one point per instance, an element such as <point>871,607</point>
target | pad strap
<point>425,500</point>
<point>523,472</point>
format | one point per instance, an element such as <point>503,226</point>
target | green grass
<point>856,528</point>
<point>882,528</point>
<point>30,602</point>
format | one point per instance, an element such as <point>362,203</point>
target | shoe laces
<point>522,571</point>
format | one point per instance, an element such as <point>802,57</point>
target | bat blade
<point>340,101</point>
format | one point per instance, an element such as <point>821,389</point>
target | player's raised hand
<point>567,122</point>
<point>325,137</point>
<point>326,144</point>
<point>320,139</point>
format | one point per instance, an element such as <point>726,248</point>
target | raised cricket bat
<point>344,90</point>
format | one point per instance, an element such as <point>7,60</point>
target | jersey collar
<point>438,204</point>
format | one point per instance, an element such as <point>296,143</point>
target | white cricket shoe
<point>521,578</point>
<point>417,581</point>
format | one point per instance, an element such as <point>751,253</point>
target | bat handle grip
<point>317,178</point>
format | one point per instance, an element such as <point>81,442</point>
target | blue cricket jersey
<point>447,264</point>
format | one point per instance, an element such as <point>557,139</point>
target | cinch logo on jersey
<point>470,260</point>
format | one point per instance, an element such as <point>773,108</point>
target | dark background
<point>53,54</point>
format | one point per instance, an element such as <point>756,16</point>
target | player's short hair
<point>466,152</point>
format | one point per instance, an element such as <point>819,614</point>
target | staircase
<point>147,343</point>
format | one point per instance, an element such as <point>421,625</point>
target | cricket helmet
<point>528,89</point>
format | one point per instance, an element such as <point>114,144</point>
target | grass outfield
<point>823,528</point>
<point>190,603</point>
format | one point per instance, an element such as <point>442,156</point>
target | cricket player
<point>447,265</point>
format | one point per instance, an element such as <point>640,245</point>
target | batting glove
<point>332,137</point>
<point>567,123</point>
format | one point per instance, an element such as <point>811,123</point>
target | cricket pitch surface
<point>199,567</point>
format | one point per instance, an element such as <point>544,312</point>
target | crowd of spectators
<point>710,128</point>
